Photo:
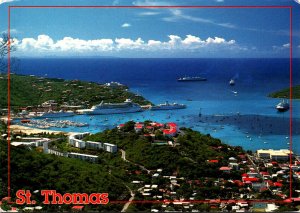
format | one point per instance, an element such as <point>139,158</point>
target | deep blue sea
<point>249,118</point>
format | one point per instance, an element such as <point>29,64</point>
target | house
<point>138,127</point>
<point>225,169</point>
<point>172,131</point>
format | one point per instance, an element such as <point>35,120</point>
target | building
<point>36,142</point>
<point>280,155</point>
<point>76,141</point>
<point>112,148</point>
<point>94,145</point>
<point>92,158</point>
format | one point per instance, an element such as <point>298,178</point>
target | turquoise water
<point>155,79</point>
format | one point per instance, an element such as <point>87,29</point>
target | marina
<point>50,123</point>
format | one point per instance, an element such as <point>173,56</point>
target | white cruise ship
<point>112,108</point>
<point>168,106</point>
<point>54,114</point>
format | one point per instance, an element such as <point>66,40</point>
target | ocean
<point>240,115</point>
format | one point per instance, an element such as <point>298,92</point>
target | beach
<point>30,130</point>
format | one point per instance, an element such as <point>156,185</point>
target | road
<point>141,166</point>
<point>125,207</point>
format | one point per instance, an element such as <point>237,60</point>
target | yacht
<point>231,82</point>
<point>283,106</point>
<point>112,108</point>
<point>168,106</point>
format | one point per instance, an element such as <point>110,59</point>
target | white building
<point>112,148</point>
<point>76,141</point>
<point>92,158</point>
<point>282,154</point>
<point>94,145</point>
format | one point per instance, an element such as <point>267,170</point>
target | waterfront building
<point>282,154</point>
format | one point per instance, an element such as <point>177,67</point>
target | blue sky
<point>141,32</point>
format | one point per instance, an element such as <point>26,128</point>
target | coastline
<point>30,130</point>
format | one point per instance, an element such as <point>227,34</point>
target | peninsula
<point>30,90</point>
<point>285,93</point>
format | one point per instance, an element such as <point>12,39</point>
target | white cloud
<point>286,45</point>
<point>126,43</point>
<point>177,15</point>
<point>44,44</point>
<point>115,2</point>
<point>7,1</point>
<point>282,47</point>
<point>148,13</point>
<point>152,3</point>
<point>125,25</point>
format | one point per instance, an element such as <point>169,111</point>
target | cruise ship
<point>168,106</point>
<point>112,108</point>
<point>53,114</point>
<point>282,106</point>
<point>191,79</point>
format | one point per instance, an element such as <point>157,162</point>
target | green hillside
<point>285,93</point>
<point>33,91</point>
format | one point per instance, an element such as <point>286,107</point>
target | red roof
<point>78,207</point>
<point>171,124</point>
<point>277,184</point>
<point>158,124</point>
<point>238,182</point>
<point>274,162</point>
<point>121,125</point>
<point>250,179</point>
<point>264,173</point>
<point>169,131</point>
<point>139,126</point>
<point>245,175</point>
<point>225,168</point>
<point>213,161</point>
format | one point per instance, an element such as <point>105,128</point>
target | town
<point>242,182</point>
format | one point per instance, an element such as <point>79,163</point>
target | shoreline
<point>30,130</point>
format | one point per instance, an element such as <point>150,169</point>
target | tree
<point>5,47</point>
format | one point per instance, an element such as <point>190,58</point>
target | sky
<point>152,32</point>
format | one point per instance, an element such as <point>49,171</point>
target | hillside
<point>285,93</point>
<point>32,170</point>
<point>33,91</point>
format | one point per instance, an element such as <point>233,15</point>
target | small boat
<point>283,106</point>
<point>197,78</point>
<point>231,82</point>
